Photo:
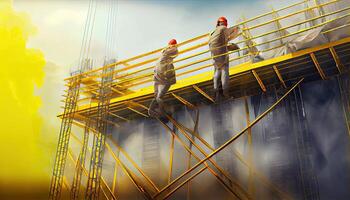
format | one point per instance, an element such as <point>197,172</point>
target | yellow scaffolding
<point>131,91</point>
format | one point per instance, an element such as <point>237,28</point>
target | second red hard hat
<point>172,42</point>
<point>222,19</point>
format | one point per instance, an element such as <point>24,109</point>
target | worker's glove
<point>232,47</point>
<point>169,73</point>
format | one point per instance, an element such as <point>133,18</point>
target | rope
<point>108,28</point>
<point>92,28</point>
<point>83,41</point>
<point>114,35</point>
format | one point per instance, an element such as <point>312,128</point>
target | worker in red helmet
<point>164,77</point>
<point>218,44</point>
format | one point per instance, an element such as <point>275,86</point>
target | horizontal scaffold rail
<point>122,91</point>
<point>133,77</point>
<point>245,77</point>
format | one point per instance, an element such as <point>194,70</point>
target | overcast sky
<point>142,25</point>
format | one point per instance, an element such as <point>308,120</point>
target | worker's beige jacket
<point>164,71</point>
<point>218,40</point>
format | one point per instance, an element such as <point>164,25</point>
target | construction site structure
<point>260,145</point>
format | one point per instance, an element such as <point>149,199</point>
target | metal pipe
<point>224,173</point>
<point>305,21</point>
<point>235,137</point>
<point>136,166</point>
<point>262,178</point>
<point>228,188</point>
<point>251,182</point>
<point>86,173</point>
<point>171,158</point>
<point>126,155</point>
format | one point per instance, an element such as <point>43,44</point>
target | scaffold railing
<point>134,74</point>
<point>129,83</point>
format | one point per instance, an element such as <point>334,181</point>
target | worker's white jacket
<point>218,40</point>
<point>164,71</point>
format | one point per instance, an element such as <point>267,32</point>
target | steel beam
<point>222,172</point>
<point>86,173</point>
<point>138,112</point>
<point>227,187</point>
<point>133,163</point>
<point>118,116</point>
<point>318,66</point>
<point>184,101</point>
<point>239,69</point>
<point>280,78</point>
<point>203,93</point>
<point>65,183</point>
<point>337,61</point>
<point>171,159</point>
<point>251,182</point>
<point>146,195</point>
<point>231,140</point>
<point>261,177</point>
<point>133,103</point>
<point>115,177</point>
<point>261,84</point>
<point>116,157</point>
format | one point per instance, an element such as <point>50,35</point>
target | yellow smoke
<point>22,159</point>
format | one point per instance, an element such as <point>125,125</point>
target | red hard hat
<point>172,42</point>
<point>222,19</point>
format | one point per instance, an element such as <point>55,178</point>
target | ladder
<point>96,161</point>
<point>63,140</point>
<point>80,164</point>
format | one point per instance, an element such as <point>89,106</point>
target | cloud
<point>21,72</point>
<point>142,26</point>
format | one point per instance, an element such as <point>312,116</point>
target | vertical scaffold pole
<point>280,33</point>
<point>251,45</point>
<point>171,158</point>
<point>96,162</point>
<point>251,182</point>
<point>80,164</point>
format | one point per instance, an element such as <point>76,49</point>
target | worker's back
<point>164,69</point>
<point>217,44</point>
<point>218,37</point>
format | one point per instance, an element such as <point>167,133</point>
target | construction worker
<point>218,42</point>
<point>164,77</point>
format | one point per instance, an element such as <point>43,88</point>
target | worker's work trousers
<point>221,75</point>
<point>160,91</point>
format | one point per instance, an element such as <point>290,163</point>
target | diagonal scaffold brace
<point>238,189</point>
<point>238,192</point>
<point>163,195</point>
<point>253,171</point>
<point>80,164</point>
<point>207,166</point>
<point>128,172</point>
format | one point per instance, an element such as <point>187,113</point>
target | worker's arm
<point>173,52</point>
<point>232,32</point>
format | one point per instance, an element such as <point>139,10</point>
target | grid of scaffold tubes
<point>121,91</point>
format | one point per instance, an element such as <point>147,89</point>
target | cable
<point>92,28</point>
<point>107,29</point>
<point>111,37</point>
<point>83,41</point>
<point>114,35</point>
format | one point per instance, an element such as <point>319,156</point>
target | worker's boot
<point>151,110</point>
